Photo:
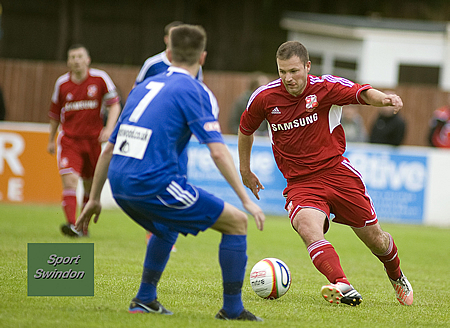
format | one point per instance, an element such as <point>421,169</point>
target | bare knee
<point>69,181</point>
<point>309,225</point>
<point>232,221</point>
<point>241,223</point>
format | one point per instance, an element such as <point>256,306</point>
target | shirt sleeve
<point>55,107</point>
<point>253,115</point>
<point>201,110</point>
<point>349,93</point>
<point>110,98</point>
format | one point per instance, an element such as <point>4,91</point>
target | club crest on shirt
<point>311,103</point>
<point>92,90</point>
<point>69,97</point>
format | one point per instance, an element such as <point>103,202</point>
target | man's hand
<point>104,135</point>
<point>51,148</point>
<point>91,208</point>
<point>252,182</point>
<point>394,101</point>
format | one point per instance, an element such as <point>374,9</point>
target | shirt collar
<point>173,69</point>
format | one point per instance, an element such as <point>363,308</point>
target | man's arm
<point>93,206</point>
<point>224,162</point>
<point>249,179</point>
<point>377,98</point>
<point>51,138</point>
<point>113,115</point>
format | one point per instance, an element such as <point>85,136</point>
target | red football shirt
<point>305,130</point>
<point>78,106</point>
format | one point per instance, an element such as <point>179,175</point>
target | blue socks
<point>158,253</point>
<point>233,261</point>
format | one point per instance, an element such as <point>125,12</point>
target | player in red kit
<point>76,106</point>
<point>308,141</point>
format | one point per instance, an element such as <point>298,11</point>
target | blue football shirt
<point>154,129</point>
<point>157,64</point>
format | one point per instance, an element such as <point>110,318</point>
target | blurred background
<point>242,38</point>
<point>397,46</point>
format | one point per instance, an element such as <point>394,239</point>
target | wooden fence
<point>27,87</point>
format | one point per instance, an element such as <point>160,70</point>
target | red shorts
<point>339,191</point>
<point>78,156</point>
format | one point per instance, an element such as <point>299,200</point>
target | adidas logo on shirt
<point>276,111</point>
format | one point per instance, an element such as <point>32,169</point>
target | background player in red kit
<point>76,104</point>
<point>308,141</point>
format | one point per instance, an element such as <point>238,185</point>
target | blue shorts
<point>181,208</point>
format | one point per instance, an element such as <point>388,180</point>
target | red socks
<point>326,260</point>
<point>390,260</point>
<point>69,205</point>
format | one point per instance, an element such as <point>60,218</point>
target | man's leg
<point>232,223</point>
<point>87,185</point>
<point>309,224</point>
<point>69,203</point>
<point>383,246</point>
<point>156,257</point>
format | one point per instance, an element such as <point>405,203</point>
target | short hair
<point>78,46</point>
<point>187,42</point>
<point>293,48</point>
<point>170,25</point>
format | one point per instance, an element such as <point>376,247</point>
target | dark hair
<point>170,25</point>
<point>78,46</point>
<point>293,48</point>
<point>187,42</point>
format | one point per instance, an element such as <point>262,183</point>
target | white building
<point>380,51</point>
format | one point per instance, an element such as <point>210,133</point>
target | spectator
<point>389,127</point>
<point>257,80</point>
<point>439,135</point>
<point>353,125</point>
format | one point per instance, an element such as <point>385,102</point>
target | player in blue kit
<point>156,64</point>
<point>160,63</point>
<point>148,174</point>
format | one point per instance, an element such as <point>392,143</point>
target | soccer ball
<point>270,278</point>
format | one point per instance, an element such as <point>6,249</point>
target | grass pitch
<point>191,284</point>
